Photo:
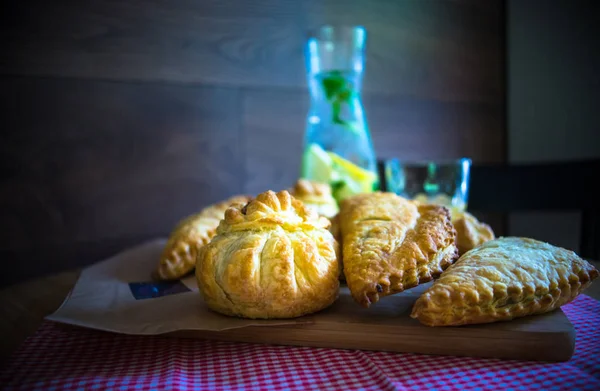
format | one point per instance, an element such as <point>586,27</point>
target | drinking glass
<point>437,182</point>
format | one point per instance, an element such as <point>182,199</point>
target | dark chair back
<point>556,186</point>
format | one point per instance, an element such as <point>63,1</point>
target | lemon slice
<point>345,177</point>
<point>317,165</point>
<point>350,172</point>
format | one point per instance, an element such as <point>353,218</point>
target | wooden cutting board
<point>387,326</point>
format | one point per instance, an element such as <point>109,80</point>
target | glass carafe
<point>337,144</point>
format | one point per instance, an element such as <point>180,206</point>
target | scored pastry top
<point>271,258</point>
<point>270,208</point>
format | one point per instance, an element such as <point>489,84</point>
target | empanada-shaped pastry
<point>504,279</point>
<point>179,255</point>
<point>391,244</point>
<point>272,258</point>
<point>316,196</point>
<point>470,232</point>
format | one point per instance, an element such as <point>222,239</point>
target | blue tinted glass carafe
<point>337,146</point>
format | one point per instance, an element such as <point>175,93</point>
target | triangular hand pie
<point>503,279</point>
<point>470,232</point>
<point>179,255</point>
<point>391,244</point>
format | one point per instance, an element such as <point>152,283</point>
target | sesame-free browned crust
<point>316,196</point>
<point>503,279</point>
<point>189,235</point>
<point>272,258</point>
<point>470,232</point>
<point>391,244</point>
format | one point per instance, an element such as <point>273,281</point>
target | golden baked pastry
<point>316,196</point>
<point>503,279</point>
<point>272,258</point>
<point>391,244</point>
<point>179,255</point>
<point>470,232</point>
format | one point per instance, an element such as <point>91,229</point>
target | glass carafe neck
<point>338,49</point>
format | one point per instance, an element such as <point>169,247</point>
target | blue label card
<point>152,289</point>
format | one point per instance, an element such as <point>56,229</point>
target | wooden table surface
<point>24,306</point>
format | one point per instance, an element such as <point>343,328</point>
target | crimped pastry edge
<point>392,284</point>
<point>178,257</point>
<point>445,257</point>
<point>428,313</point>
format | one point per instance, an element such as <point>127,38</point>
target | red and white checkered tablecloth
<point>57,358</point>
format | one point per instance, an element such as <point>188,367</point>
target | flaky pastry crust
<point>316,196</point>
<point>271,258</point>
<point>470,232</point>
<point>391,244</point>
<point>179,254</point>
<point>503,279</point>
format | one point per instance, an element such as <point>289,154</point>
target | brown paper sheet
<point>103,298</point>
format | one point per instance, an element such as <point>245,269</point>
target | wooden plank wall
<point>120,117</point>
